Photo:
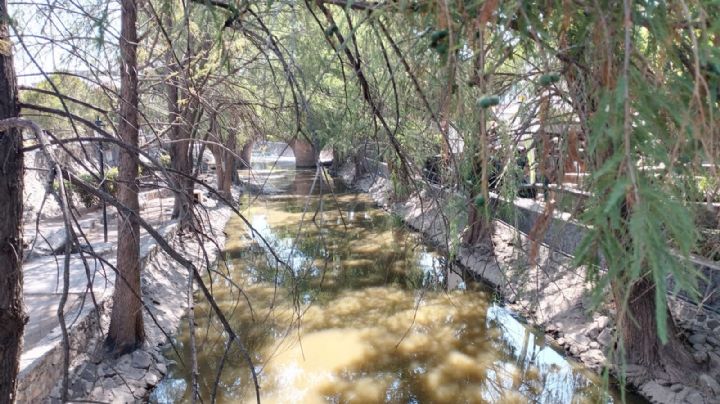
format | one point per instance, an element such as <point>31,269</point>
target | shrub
<point>111,177</point>
<point>165,160</point>
<point>87,198</point>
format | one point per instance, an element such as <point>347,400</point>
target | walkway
<point>43,279</point>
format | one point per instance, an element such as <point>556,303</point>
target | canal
<point>360,313</point>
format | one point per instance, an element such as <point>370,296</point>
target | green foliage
<point>329,31</point>
<point>488,101</point>
<point>69,86</point>
<point>86,198</point>
<point>164,160</point>
<point>548,79</point>
<point>479,201</point>
<point>456,212</point>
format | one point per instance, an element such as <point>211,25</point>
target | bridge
<point>304,153</point>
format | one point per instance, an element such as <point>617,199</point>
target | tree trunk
<point>641,344</point>
<point>228,162</point>
<point>12,313</point>
<point>245,160</point>
<point>224,166</point>
<point>181,163</point>
<point>337,162</point>
<point>219,168</point>
<point>180,133</point>
<point>223,151</point>
<point>126,331</point>
<point>479,232</point>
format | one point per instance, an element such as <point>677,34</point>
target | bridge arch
<point>300,150</point>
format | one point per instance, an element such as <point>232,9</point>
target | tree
<point>126,323</point>
<point>625,193</point>
<point>185,82</point>
<point>223,149</point>
<point>182,122</point>
<point>12,313</point>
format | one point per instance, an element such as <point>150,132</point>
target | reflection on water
<point>360,315</point>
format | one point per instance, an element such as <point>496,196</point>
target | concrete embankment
<point>128,378</point>
<point>553,295</point>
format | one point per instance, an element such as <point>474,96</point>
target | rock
<point>152,378</point>
<point>676,387</point>
<point>140,393</point>
<point>561,341</point>
<point>123,397</point>
<point>697,339</point>
<point>694,397</point>
<point>134,373</point>
<point>141,359</point>
<point>699,347</point>
<point>602,322</point>
<point>157,354</point>
<point>712,324</point>
<point>110,382</point>
<point>700,357</point>
<point>580,339</point>
<point>680,396</point>
<point>594,345</point>
<point>663,382</point>
<point>97,393</point>
<point>714,360</point>
<point>634,370</point>
<point>707,381</point>
<point>53,243</point>
<point>714,341</point>
<point>124,362</point>
<point>577,349</point>
<point>162,368</point>
<point>554,328</point>
<point>105,371</point>
<point>79,388</point>
<point>654,391</point>
<point>89,372</point>
<point>605,337</point>
<point>593,333</point>
<point>593,357</point>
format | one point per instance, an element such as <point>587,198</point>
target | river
<point>360,313</point>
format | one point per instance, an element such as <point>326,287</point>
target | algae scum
<point>358,315</point>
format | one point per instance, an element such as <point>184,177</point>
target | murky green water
<point>360,314</point>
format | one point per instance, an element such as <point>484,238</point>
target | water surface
<point>359,313</point>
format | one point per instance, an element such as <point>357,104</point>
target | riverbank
<point>553,295</point>
<point>164,289</point>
